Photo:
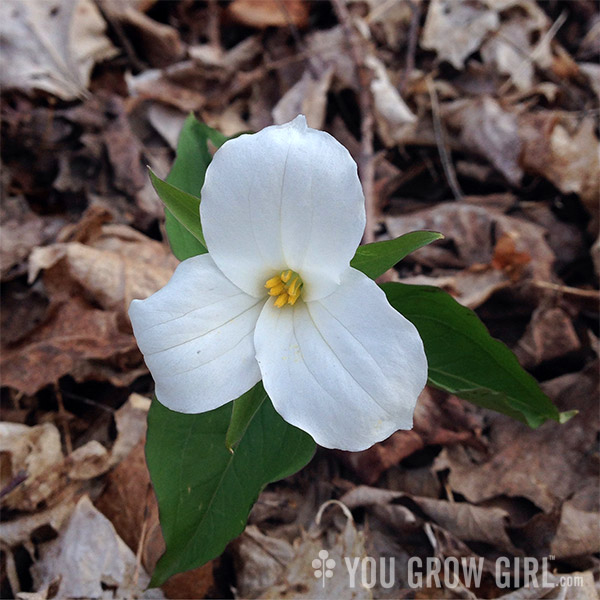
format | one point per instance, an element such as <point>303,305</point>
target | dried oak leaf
<point>473,230</point>
<point>36,474</point>
<point>108,563</point>
<point>395,121</point>
<point>565,153</point>
<point>308,96</point>
<point>264,13</point>
<point>438,420</point>
<point>72,338</point>
<point>578,532</point>
<point>465,521</point>
<point>268,567</point>
<point>160,43</point>
<point>26,453</point>
<point>51,46</point>
<point>486,128</point>
<point>507,258</point>
<point>549,335</point>
<point>116,265</point>
<point>21,230</point>
<point>456,29</point>
<point>546,465</point>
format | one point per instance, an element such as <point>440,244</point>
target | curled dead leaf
<point>264,13</point>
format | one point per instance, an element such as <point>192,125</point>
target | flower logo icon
<point>323,566</point>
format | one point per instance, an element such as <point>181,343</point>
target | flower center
<point>286,286</point>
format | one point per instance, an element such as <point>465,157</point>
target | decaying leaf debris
<point>478,119</point>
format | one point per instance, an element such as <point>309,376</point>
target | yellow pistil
<point>287,286</point>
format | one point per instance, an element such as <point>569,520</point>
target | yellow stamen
<point>287,287</point>
<point>281,300</point>
<point>278,289</point>
<point>293,288</point>
<point>273,282</point>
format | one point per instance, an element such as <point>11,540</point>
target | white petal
<point>286,197</point>
<point>196,335</point>
<point>347,369</point>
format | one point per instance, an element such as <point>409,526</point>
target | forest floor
<point>478,119</point>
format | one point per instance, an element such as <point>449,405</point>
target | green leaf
<point>464,359</point>
<point>183,243</point>
<point>183,206</point>
<point>244,409</point>
<point>193,157</point>
<point>375,259</point>
<point>187,174</point>
<point>205,492</point>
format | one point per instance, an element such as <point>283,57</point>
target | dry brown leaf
<point>28,454</point>
<point>51,46</point>
<point>87,461</point>
<point>437,420</point>
<point>68,343</point>
<point>595,252</point>
<point>395,121</point>
<point>130,420</point>
<point>18,531</point>
<point>549,335</point>
<point>463,520</point>
<point>265,13</point>
<point>167,121</point>
<point>108,561</point>
<point>456,29</point>
<point>508,51</point>
<point>238,57</point>
<point>127,501</point>
<point>545,465</point>
<point>21,230</point>
<point>472,230</point>
<point>390,18</point>
<point>167,86</point>
<point>261,561</point>
<point>117,265</point>
<point>272,568</point>
<point>507,258</point>
<point>470,287</point>
<point>329,48</point>
<point>489,130</point>
<point>566,240</point>
<point>161,44</point>
<point>578,533</point>
<point>34,471</point>
<point>565,153</point>
<point>471,523</point>
<point>308,96</point>
<point>592,72</point>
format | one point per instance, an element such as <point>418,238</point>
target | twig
<point>438,129</point>
<point>88,401</point>
<point>413,34</point>
<point>17,480</point>
<point>214,32</point>
<point>589,298</point>
<point>144,532</point>
<point>63,417</point>
<point>366,165</point>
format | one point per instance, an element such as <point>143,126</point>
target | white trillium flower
<point>276,299</point>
